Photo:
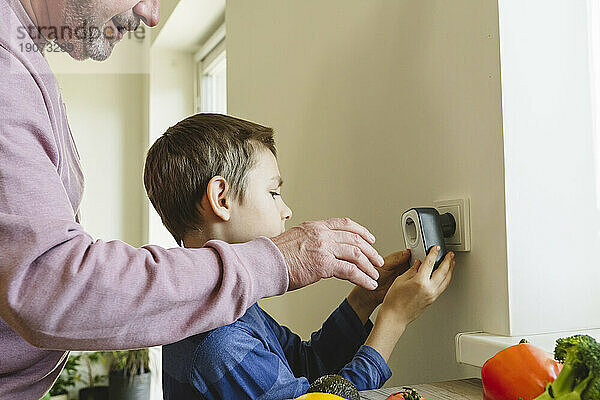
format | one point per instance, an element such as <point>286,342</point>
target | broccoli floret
<point>579,378</point>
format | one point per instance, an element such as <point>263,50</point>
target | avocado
<point>335,384</point>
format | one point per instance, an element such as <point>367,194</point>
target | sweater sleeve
<point>61,289</point>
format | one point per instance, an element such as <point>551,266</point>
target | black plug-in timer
<point>424,228</point>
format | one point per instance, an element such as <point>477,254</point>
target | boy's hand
<point>395,265</point>
<point>364,302</point>
<point>338,247</point>
<point>417,288</point>
<point>407,298</point>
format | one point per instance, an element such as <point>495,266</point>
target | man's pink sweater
<point>62,290</point>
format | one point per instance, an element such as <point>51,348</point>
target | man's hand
<point>338,247</point>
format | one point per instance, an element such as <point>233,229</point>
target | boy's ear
<point>217,196</point>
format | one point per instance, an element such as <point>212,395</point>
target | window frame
<point>210,62</point>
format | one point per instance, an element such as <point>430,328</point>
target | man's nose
<point>148,11</point>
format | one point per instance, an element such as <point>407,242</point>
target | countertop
<point>466,389</point>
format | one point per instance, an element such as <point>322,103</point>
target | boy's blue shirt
<point>257,358</point>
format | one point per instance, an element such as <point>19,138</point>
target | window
<point>211,75</point>
<point>594,43</point>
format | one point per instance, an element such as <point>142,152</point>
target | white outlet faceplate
<point>461,210</point>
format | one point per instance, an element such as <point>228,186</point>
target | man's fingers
<point>356,257</point>
<point>356,240</point>
<point>427,267</point>
<point>346,224</point>
<point>317,250</point>
<point>348,271</point>
<point>440,274</point>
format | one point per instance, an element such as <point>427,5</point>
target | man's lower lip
<point>120,28</point>
<point>118,33</point>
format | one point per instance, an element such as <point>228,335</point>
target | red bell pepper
<point>521,371</point>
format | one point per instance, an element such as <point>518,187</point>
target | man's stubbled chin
<point>99,38</point>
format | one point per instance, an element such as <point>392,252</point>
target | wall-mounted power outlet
<point>461,211</point>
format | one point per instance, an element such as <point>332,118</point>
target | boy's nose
<point>148,11</point>
<point>287,213</point>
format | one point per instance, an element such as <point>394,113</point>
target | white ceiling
<point>191,24</point>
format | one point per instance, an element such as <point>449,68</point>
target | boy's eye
<point>275,194</point>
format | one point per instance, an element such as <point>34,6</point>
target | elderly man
<point>61,290</point>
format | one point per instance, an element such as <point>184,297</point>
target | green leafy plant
<point>90,379</point>
<point>129,362</point>
<point>67,377</point>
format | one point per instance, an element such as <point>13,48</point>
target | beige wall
<point>381,106</point>
<point>107,120</point>
<point>166,9</point>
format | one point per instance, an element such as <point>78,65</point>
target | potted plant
<point>65,380</point>
<point>91,380</point>
<point>129,375</point>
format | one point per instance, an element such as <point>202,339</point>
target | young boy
<point>215,177</point>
